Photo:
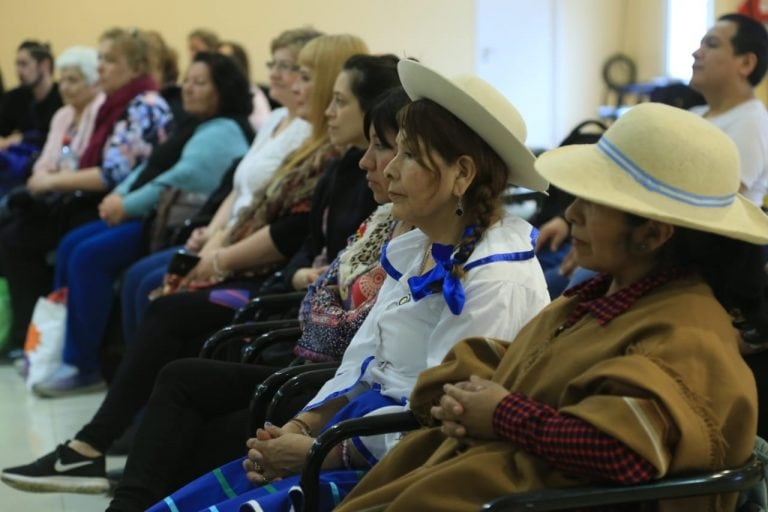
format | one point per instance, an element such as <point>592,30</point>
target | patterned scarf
<point>364,250</point>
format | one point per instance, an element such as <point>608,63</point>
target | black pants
<point>196,420</point>
<point>26,239</point>
<point>173,327</point>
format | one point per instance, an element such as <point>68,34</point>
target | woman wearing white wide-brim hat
<point>634,375</point>
<point>469,269</point>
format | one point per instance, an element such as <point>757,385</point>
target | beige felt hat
<point>662,163</point>
<point>484,109</point>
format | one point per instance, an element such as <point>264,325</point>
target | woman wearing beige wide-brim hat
<point>632,376</point>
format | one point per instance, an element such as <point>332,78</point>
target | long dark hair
<point>383,114</point>
<point>371,75</point>
<point>235,97</point>
<point>735,270</point>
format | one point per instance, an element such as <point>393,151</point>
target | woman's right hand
<point>197,240</point>
<point>274,454</point>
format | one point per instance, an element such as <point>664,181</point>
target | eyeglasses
<point>281,66</point>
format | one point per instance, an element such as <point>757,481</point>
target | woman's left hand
<point>276,453</point>
<point>111,210</point>
<point>466,409</point>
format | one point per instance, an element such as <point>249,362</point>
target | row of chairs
<point>266,330</point>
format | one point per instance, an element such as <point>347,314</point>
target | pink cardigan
<point>60,124</point>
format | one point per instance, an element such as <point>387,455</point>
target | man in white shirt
<point>728,64</point>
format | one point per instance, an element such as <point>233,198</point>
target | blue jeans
<point>138,281</point>
<point>89,260</point>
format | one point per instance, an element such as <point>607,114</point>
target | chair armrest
<point>264,392</point>
<point>311,380</point>
<point>233,333</point>
<point>264,305</point>
<point>729,480</point>
<point>368,426</point>
<point>253,350</point>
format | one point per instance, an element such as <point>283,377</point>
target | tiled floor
<point>31,427</point>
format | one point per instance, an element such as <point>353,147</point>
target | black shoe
<point>62,470</point>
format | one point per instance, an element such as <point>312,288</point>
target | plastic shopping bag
<point>45,337</point>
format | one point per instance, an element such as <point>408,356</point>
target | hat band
<point>652,184</point>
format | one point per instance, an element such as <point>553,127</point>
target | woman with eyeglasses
<point>265,234</point>
<point>282,133</point>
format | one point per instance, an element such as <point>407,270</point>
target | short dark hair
<point>751,37</point>
<point>39,51</point>
<point>234,90</point>
<point>383,114</point>
<point>370,75</point>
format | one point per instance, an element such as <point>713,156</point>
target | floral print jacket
<point>145,124</point>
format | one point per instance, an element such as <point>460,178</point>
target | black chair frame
<point>265,398</point>
<point>725,481</point>
<point>263,306</point>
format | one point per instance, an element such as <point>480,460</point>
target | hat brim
<point>586,172</point>
<point>420,82</point>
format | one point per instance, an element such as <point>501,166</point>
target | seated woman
<point>632,376</point>
<point>283,133</point>
<point>468,268</point>
<point>130,122</point>
<point>265,234</point>
<point>90,258</point>
<point>72,125</point>
<point>196,418</point>
<point>340,299</point>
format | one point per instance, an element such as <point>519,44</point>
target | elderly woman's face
<point>199,93</point>
<point>601,237</point>
<point>420,195</point>
<point>114,69</point>
<point>283,72</point>
<point>74,88</point>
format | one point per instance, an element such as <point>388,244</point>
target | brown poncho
<point>665,378</point>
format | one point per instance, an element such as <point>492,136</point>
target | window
<point>687,22</point>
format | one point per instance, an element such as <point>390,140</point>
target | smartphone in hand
<point>182,263</point>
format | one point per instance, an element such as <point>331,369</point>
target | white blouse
<point>401,336</point>
<point>265,156</point>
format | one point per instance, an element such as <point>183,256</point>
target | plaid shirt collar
<point>592,298</point>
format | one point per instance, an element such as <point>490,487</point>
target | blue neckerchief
<point>453,291</point>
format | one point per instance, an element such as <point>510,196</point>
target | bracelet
<point>217,267</point>
<point>303,425</point>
